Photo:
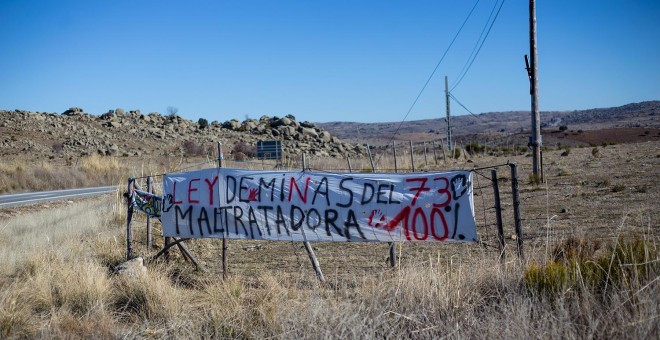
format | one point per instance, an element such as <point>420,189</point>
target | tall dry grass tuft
<point>94,170</point>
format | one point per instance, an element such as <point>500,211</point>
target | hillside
<point>642,115</point>
<point>74,133</point>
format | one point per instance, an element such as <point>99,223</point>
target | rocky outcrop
<point>120,133</point>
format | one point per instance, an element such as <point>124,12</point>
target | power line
<point>461,104</point>
<point>480,46</point>
<point>432,73</point>
<point>476,43</point>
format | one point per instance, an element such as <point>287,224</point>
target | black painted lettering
<point>310,219</point>
<point>230,188</point>
<point>391,200</point>
<point>381,193</point>
<point>280,220</point>
<point>270,185</point>
<point>203,219</point>
<point>252,221</point>
<point>366,199</point>
<point>265,209</point>
<point>346,190</point>
<point>217,217</point>
<point>296,224</point>
<point>323,184</point>
<point>330,220</point>
<point>238,214</point>
<point>179,214</point>
<point>351,221</point>
<point>243,188</point>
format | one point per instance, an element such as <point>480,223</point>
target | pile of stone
<point>130,133</point>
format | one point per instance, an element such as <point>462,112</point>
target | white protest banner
<point>318,206</point>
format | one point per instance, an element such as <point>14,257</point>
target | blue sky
<point>321,61</point>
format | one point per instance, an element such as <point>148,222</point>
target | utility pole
<point>451,151</point>
<point>532,71</point>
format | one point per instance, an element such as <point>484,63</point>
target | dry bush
<point>242,151</point>
<point>193,149</point>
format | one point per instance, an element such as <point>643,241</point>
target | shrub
<point>203,123</point>
<point>595,152</point>
<point>192,148</point>
<point>534,179</point>
<point>457,153</point>
<point>563,128</point>
<point>580,264</point>
<point>474,148</point>
<point>242,151</point>
<point>567,151</point>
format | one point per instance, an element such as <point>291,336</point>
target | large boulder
<point>308,132</point>
<point>325,136</point>
<point>282,122</point>
<point>73,111</point>
<point>233,125</point>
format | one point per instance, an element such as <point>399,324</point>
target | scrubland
<point>591,269</point>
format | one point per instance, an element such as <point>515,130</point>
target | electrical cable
<point>463,106</point>
<point>460,78</point>
<point>432,74</point>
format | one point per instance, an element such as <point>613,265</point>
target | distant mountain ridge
<point>634,115</point>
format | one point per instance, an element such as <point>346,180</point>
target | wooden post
<point>533,71</point>
<point>412,157</point>
<point>449,141</point>
<point>188,255</point>
<point>392,244</point>
<point>498,213</point>
<point>426,160</point>
<point>396,168</point>
<point>150,189</point>
<point>444,155</point>
<point>129,219</point>
<point>435,157</point>
<point>516,209</point>
<point>350,168</point>
<point>225,266</point>
<point>371,159</point>
<point>308,247</point>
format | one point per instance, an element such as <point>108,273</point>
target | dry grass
<point>591,272</point>
<point>63,286</point>
<point>23,175</point>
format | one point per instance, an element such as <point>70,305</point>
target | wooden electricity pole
<point>448,116</point>
<point>532,71</point>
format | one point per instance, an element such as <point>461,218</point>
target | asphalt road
<point>35,197</point>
